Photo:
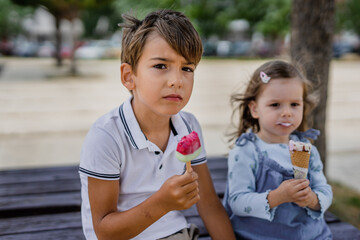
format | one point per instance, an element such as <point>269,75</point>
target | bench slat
<point>44,203</point>
<point>38,174</point>
<point>40,223</point>
<point>39,204</point>
<point>33,188</point>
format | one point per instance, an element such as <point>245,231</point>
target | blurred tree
<point>64,9</point>
<point>90,19</point>
<point>208,16</point>
<point>275,22</point>
<point>11,16</point>
<point>212,17</point>
<point>348,15</point>
<point>312,25</point>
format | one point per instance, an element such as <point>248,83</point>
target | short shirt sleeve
<point>100,155</point>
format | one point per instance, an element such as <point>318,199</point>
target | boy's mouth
<point>173,97</point>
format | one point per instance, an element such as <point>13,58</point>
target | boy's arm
<point>210,208</point>
<point>177,193</point>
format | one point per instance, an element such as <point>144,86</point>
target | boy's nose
<point>175,80</point>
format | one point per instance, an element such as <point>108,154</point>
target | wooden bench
<point>44,203</point>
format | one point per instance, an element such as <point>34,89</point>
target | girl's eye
<point>274,104</point>
<point>160,66</point>
<point>187,69</point>
<point>295,104</point>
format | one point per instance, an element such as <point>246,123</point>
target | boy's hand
<point>180,191</point>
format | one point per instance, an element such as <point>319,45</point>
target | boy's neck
<point>155,128</point>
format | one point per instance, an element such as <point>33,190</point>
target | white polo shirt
<point>116,148</point>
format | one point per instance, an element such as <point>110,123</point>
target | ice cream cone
<point>300,156</point>
<point>300,159</point>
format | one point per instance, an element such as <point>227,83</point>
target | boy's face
<point>163,81</point>
<point>279,109</point>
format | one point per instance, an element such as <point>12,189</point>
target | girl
<point>263,199</point>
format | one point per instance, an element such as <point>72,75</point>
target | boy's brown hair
<point>173,26</point>
<point>274,69</point>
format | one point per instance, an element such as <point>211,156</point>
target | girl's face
<point>279,109</point>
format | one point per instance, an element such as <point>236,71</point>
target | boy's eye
<point>187,69</point>
<point>160,66</point>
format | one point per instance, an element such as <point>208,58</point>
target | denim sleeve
<point>319,185</point>
<point>243,200</point>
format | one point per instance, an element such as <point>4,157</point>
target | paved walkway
<point>44,117</point>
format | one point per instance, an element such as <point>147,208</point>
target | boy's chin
<point>171,111</point>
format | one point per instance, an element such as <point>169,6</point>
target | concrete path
<point>44,117</point>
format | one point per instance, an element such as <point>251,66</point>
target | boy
<point>132,184</point>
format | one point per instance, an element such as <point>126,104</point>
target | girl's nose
<point>286,112</point>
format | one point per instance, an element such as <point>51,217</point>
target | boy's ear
<point>127,77</point>
<point>253,109</point>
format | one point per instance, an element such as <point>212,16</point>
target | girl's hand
<point>291,190</point>
<point>180,191</point>
<point>309,200</point>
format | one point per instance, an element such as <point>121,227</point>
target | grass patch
<point>346,204</point>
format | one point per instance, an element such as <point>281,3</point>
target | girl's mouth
<point>285,124</point>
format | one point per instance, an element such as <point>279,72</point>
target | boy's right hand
<point>180,191</point>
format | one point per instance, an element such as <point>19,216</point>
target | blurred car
<point>46,49</point>
<point>341,48</point>
<point>223,48</point>
<point>66,51</point>
<point>113,51</point>
<point>26,49</point>
<point>240,48</point>
<point>209,48</point>
<point>94,49</point>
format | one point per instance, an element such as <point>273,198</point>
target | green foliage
<point>209,17</point>
<point>10,18</point>
<point>271,17</point>
<point>64,8</point>
<point>276,20</point>
<point>91,17</point>
<point>348,15</point>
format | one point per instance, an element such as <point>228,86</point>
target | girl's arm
<point>210,208</point>
<point>177,193</point>
<point>242,199</point>
<point>292,190</point>
<point>318,186</point>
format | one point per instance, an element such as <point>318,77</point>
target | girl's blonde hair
<point>273,69</point>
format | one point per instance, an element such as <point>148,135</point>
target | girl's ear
<point>127,76</point>
<point>253,109</point>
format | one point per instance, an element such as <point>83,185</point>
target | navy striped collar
<point>179,126</point>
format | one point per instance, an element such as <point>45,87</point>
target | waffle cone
<point>300,159</point>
